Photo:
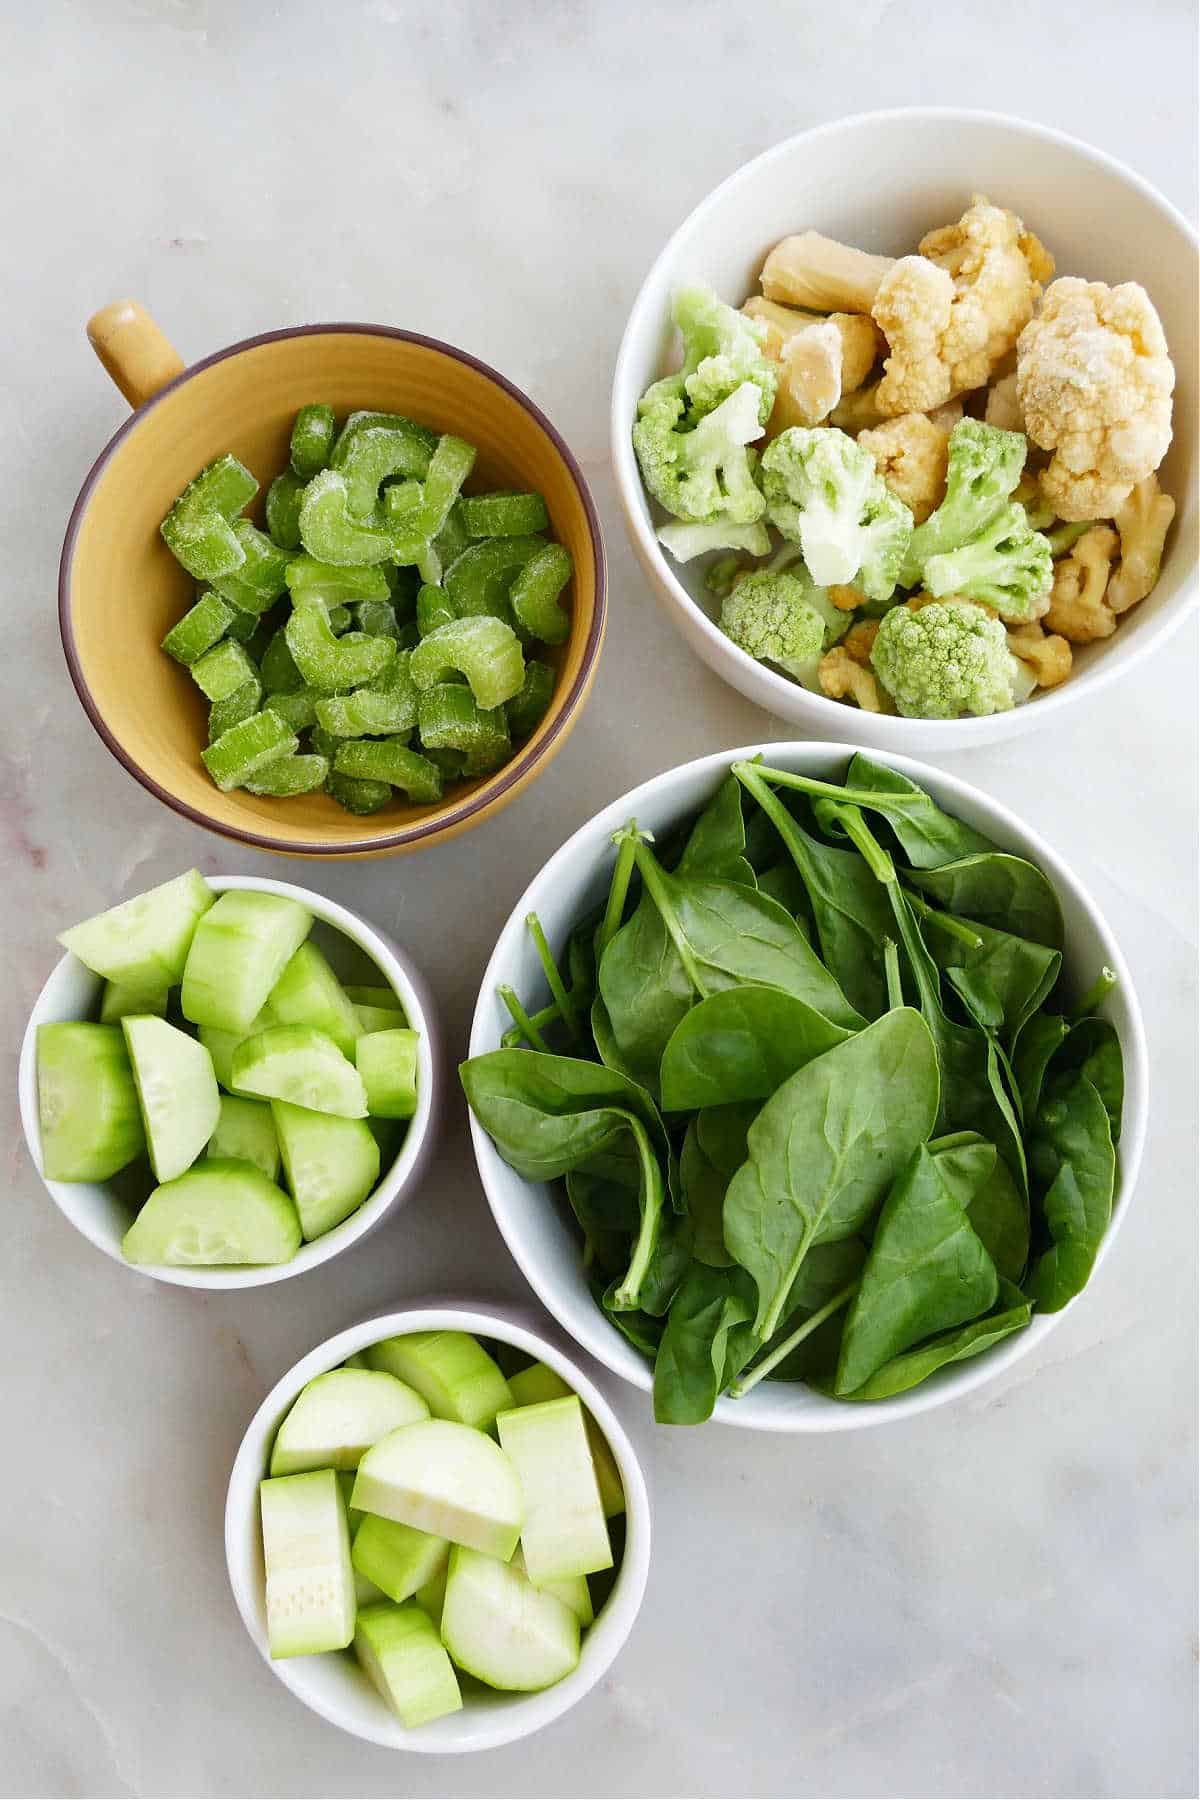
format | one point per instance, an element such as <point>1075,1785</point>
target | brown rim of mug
<point>484,797</point>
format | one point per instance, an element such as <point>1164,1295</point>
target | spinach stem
<point>629,1295</point>
<point>955,928</point>
<point>865,842</point>
<point>1103,985</point>
<point>522,1021</point>
<point>829,790</point>
<point>891,969</point>
<point>554,980</point>
<point>656,886</point>
<point>618,892</point>
<point>772,1361</point>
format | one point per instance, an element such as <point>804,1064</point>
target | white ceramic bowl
<point>96,1208</point>
<point>334,1685</point>
<point>535,1222</point>
<point>879,181</point>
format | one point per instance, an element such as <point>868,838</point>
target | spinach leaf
<point>1074,1166</point>
<point>999,890</point>
<point>723,1131</point>
<point>639,1328</point>
<point>547,1114</point>
<point>1034,1048</point>
<point>717,844</point>
<point>1093,1047</point>
<point>982,1184</point>
<point>1012,1313</point>
<point>1011,972</point>
<point>702,1187</point>
<point>927,1271</point>
<point>825,1149</point>
<point>928,836</point>
<point>741,1045</point>
<point>644,992</point>
<point>709,1328</point>
<point>780,882</point>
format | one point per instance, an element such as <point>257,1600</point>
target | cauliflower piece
<point>862,341</point>
<point>704,474</point>
<point>983,467</point>
<point>722,348</point>
<point>1095,380</point>
<point>1003,407</point>
<point>810,377</point>
<point>1005,565</point>
<point>768,616</point>
<point>947,417</point>
<point>910,453</point>
<point>819,273</point>
<point>685,541</point>
<point>823,493</point>
<point>952,313</point>
<point>858,411</point>
<point>1047,656</point>
<point>1142,521</point>
<point>947,660</point>
<point>844,679</point>
<point>1077,610</point>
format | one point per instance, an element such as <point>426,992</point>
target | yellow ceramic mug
<point>120,589</point>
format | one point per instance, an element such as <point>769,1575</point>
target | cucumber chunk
<point>396,1558</point>
<point>144,942</point>
<point>306,1549</point>
<point>450,1370</point>
<point>238,953</point>
<point>88,1113</point>
<point>536,1383</point>
<point>119,998</point>
<point>246,1132</point>
<point>218,1213</point>
<point>445,1479</point>
<point>302,1066</point>
<point>564,1533</point>
<point>573,1592</point>
<point>222,1044</point>
<point>498,1626</point>
<point>431,1596</point>
<point>375,996</point>
<point>309,993</point>
<point>177,1091</point>
<point>402,1653</point>
<point>387,1062</point>
<point>376,1018</point>
<point>331,1164</point>
<point>335,1419</point>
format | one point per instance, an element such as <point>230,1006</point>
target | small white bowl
<point>334,1685</point>
<point>880,181</point>
<point>535,1221</point>
<point>96,1209</point>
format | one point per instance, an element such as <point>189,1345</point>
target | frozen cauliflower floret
<point>910,452</point>
<point>1004,405</point>
<point>1095,380</point>
<point>858,411</point>
<point>947,417</point>
<point>1046,655</point>
<point>844,679</point>
<point>952,314</point>
<point>1142,521</point>
<point>1077,610</point>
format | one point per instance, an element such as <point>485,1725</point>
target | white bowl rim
<point>528,1712</point>
<point>951,733</point>
<point>399,973</point>
<point>588,1327</point>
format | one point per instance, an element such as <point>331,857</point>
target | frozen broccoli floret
<point>768,616</point>
<point>985,465</point>
<point>701,471</point>
<point>946,660</point>
<point>722,348</point>
<point>823,493</point>
<point>1006,565</point>
<point>686,541</point>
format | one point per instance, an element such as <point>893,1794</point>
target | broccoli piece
<point>722,348</point>
<point>985,465</point>
<point>720,576</point>
<point>769,617</point>
<point>947,659</point>
<point>700,472</point>
<point>823,492</point>
<point>686,541</point>
<point>1006,565</point>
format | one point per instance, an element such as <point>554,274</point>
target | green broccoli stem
<point>1065,537</point>
<point>772,1360</point>
<point>891,970</point>
<point>554,980</point>
<point>1103,985</point>
<point>524,1024</point>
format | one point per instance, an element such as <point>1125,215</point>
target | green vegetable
<point>995,889</point>
<point>904,1372</point>
<point>1006,565</point>
<point>1074,1166</point>
<point>824,494</point>
<point>768,616</point>
<point>722,348</point>
<point>699,470</point>
<point>944,661</point>
<point>741,1045</point>
<point>985,465</point>
<point>686,541</point>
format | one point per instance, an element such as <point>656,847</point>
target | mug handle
<point>133,350</point>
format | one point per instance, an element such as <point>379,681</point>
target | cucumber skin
<point>94,1058</point>
<point>144,942</point>
<point>358,1157</point>
<point>276,1226</point>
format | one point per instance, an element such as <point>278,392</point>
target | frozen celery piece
<point>433,608</point>
<point>245,749</point>
<point>489,754</point>
<point>278,669</point>
<point>258,580</point>
<point>450,718</point>
<point>503,515</point>
<point>335,583</point>
<point>302,774</point>
<point>451,764</point>
<point>534,594</point>
<point>198,529</point>
<point>312,440</point>
<point>385,759</point>
<point>360,797</point>
<point>246,628</point>
<point>374,447</point>
<point>454,537</point>
<point>485,650</point>
<point>298,710</point>
<point>328,663</point>
<point>327,529</point>
<point>324,743</point>
<point>242,704</point>
<point>378,619</point>
<point>526,709</point>
<point>223,669</point>
<point>449,467</point>
<point>202,626</point>
<point>340,619</point>
<point>479,580</point>
<point>283,509</point>
<point>382,708</point>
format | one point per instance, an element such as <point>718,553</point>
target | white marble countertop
<point>995,1599</point>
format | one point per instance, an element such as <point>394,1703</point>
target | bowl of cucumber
<point>437,1531</point>
<point>227,1081</point>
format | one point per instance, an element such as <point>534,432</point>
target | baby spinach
<point>1000,970</point>
<point>709,1336</point>
<point>1073,1164</point>
<point>1093,1047</point>
<point>928,836</point>
<point>741,1045</point>
<point>999,890</point>
<point>983,1185</point>
<point>1034,1047</point>
<point>702,1186</point>
<point>717,842</point>
<point>1011,1313</point>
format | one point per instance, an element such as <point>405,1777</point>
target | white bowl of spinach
<point>807,1091</point>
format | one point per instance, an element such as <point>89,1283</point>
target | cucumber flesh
<point>564,1533</point>
<point>246,1132</point>
<point>119,999</point>
<point>241,948</point>
<point>385,997</point>
<point>219,1213</point>
<point>451,1371</point>
<point>309,993</point>
<point>306,1549</point>
<point>387,1062</point>
<point>573,1592</point>
<point>145,941</point>
<point>537,1383</point>
<point>88,1113</point>
<point>398,1559</point>
<point>331,1164</point>
<point>222,1044</point>
<point>445,1479</point>
<point>431,1596</point>
<point>303,1067</point>
<point>177,1091</point>
<point>498,1626</point>
<point>376,1018</point>
<point>336,1418</point>
<point>400,1650</point>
